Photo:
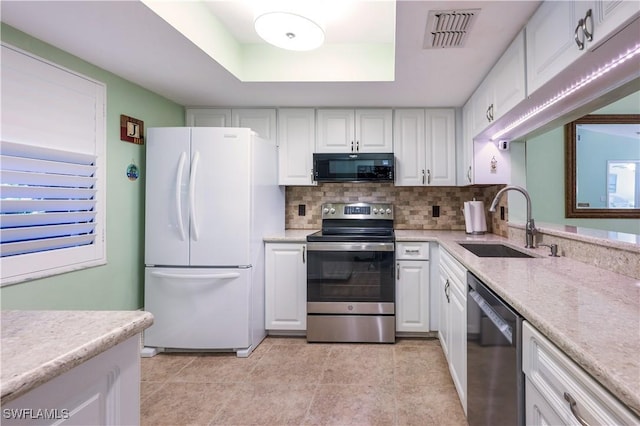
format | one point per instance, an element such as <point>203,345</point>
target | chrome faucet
<point>530,227</point>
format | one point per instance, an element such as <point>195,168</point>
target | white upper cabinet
<point>424,147</point>
<point>260,120</point>
<point>296,142</point>
<point>208,117</point>
<point>562,31</point>
<point>348,130</point>
<point>502,89</point>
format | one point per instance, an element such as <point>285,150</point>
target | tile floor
<point>287,381</point>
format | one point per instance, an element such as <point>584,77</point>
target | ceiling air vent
<point>448,28</point>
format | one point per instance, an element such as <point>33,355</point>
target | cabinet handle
<point>428,176</point>
<point>351,146</point>
<point>469,174</point>
<point>588,34</point>
<point>357,146</point>
<point>412,251</point>
<point>486,114</point>
<point>576,34</point>
<point>491,112</point>
<point>397,271</point>
<point>304,249</point>
<point>446,291</point>
<point>573,405</point>
<point>423,177</point>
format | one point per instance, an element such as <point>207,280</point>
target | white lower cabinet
<point>104,390</point>
<point>285,286</point>
<point>453,321</point>
<point>412,287</point>
<point>558,391</point>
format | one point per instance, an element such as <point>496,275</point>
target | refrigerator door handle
<point>178,185</point>
<point>192,195</point>
<point>226,276</point>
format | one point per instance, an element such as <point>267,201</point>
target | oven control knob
<point>375,211</point>
<point>325,210</point>
<point>388,211</point>
<point>332,211</point>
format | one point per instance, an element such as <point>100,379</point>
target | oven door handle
<point>349,246</point>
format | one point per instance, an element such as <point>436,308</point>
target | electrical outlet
<point>502,212</point>
<point>302,209</point>
<point>435,211</point>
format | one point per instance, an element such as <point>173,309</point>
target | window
<point>52,163</point>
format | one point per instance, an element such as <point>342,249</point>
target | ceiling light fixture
<point>576,86</point>
<point>289,31</point>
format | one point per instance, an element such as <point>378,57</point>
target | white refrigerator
<point>212,194</point>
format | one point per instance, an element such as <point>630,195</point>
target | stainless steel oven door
<point>350,278</point>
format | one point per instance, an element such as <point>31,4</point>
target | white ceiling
<point>130,40</point>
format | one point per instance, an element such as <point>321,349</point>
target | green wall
<point>544,163</point>
<point>118,284</point>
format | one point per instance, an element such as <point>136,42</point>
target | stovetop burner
<point>355,222</point>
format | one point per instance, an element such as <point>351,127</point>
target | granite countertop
<point>591,314</point>
<point>38,346</point>
<point>290,236</point>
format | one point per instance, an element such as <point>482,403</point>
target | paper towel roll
<point>475,221</point>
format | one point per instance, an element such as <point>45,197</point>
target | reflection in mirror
<point>603,166</point>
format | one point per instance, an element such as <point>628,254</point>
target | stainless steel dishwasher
<point>495,381</point>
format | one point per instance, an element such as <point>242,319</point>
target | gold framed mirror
<point>602,166</point>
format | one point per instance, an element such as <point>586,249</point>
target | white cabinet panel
<point>348,130</point>
<point>425,147</point>
<point>260,120</point>
<point>453,321</point>
<point>412,296</point>
<point>374,131</point>
<point>285,286</point>
<point>208,117</point>
<point>560,381</point>
<point>296,142</point>
<point>440,147</point>
<point>551,44</point>
<point>104,390</point>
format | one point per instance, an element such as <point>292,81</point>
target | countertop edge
<point>29,380</point>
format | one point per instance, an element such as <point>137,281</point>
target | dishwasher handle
<point>503,326</point>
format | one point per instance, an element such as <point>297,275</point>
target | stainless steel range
<point>350,275</point>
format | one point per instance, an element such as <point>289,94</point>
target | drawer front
<point>557,378</point>
<point>454,269</point>
<point>412,251</point>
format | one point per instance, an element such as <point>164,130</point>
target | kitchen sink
<point>493,250</point>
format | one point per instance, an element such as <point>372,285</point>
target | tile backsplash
<point>413,205</point>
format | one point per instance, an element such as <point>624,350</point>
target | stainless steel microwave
<point>353,167</point>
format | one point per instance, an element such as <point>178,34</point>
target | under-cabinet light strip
<point>576,86</point>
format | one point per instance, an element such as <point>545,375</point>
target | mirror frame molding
<point>571,211</point>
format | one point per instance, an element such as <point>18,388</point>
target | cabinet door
<point>444,305</point>
<point>551,44</point>
<point>285,287</point>
<point>208,117</point>
<point>466,165</point>
<point>458,343</point>
<point>335,130</point>
<point>373,130</point>
<point>409,147</point>
<point>440,147</point>
<point>537,410</point>
<point>611,15</point>
<point>260,120</point>
<point>481,104</point>
<point>412,295</point>
<point>296,142</point>
<point>508,78</point>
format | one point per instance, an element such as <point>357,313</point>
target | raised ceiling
<point>132,41</point>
